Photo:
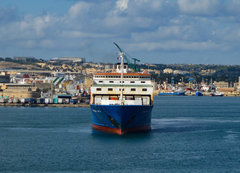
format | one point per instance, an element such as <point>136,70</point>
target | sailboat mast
<point>122,67</point>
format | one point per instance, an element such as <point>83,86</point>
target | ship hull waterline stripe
<point>120,131</point>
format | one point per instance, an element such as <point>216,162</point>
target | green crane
<point>131,65</point>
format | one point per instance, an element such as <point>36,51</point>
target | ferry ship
<point>121,101</point>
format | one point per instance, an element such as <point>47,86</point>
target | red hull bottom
<point>120,131</point>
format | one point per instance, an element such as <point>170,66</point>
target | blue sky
<point>155,31</point>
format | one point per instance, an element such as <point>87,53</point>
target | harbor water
<point>189,134</point>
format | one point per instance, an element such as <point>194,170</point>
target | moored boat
<point>199,93</point>
<point>172,93</point>
<point>217,94</point>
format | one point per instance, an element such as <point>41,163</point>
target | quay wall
<point>44,105</point>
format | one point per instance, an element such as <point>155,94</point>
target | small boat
<point>180,93</point>
<point>199,93</point>
<point>218,94</point>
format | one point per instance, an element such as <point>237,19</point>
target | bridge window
<point>144,89</point>
<point>99,89</point>
<point>142,81</point>
<point>133,89</point>
<point>110,89</point>
<point>100,81</point>
<point>110,81</point>
<point>132,81</point>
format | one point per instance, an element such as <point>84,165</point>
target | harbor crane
<point>135,60</point>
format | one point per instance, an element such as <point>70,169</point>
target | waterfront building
<point>208,72</point>
<point>221,84</point>
<point>168,70</point>
<point>4,77</point>
<point>13,90</point>
<point>179,72</point>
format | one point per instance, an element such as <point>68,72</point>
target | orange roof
<point>125,74</point>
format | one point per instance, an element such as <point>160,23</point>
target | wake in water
<point>51,130</point>
<point>174,125</point>
<point>183,124</point>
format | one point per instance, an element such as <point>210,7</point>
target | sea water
<point>189,134</point>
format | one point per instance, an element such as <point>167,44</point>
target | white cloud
<point>175,45</point>
<point>133,15</point>
<point>80,8</point>
<point>115,21</point>
<point>145,25</point>
<point>121,5</point>
<point>41,23</point>
<point>173,32</point>
<point>149,4</point>
<point>79,34</point>
<point>201,7</point>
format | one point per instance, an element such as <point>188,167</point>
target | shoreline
<point>225,94</point>
<point>43,105</point>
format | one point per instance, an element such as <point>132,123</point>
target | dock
<point>44,105</point>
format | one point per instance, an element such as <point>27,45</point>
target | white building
<point>168,70</point>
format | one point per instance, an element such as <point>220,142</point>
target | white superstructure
<point>136,88</point>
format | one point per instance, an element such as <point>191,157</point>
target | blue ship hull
<point>121,119</point>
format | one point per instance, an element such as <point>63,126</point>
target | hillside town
<point>67,80</point>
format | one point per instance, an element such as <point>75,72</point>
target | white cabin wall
<point>116,90</point>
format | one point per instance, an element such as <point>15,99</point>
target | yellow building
<point>221,84</point>
<point>13,90</point>
<point>88,82</point>
<point>168,70</point>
